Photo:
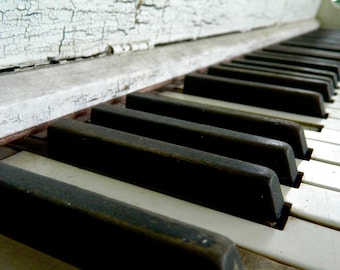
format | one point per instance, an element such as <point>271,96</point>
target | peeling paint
<point>34,31</point>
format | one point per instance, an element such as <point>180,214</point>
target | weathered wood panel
<point>33,97</point>
<point>34,31</point>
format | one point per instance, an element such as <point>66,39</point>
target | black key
<point>320,54</point>
<point>315,44</point>
<point>270,127</point>
<point>92,231</point>
<point>274,154</point>
<point>272,78</point>
<point>311,38</point>
<point>303,61</point>
<point>255,94</point>
<point>328,34</point>
<point>247,64</point>
<point>228,185</point>
<point>317,40</point>
<point>299,70</point>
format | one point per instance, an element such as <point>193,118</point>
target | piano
<point>221,152</point>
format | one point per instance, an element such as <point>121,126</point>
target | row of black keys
<point>166,156</point>
<point>133,146</point>
<point>190,162</point>
<point>280,77</point>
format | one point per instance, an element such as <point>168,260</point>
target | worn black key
<point>324,41</point>
<point>92,231</point>
<point>321,40</point>
<point>256,94</point>
<point>331,34</point>
<point>314,85</point>
<point>274,154</point>
<point>326,81</point>
<point>303,61</point>
<point>299,70</point>
<point>315,44</point>
<point>320,54</point>
<point>271,127</point>
<point>228,185</point>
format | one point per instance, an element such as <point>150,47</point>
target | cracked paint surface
<point>32,31</point>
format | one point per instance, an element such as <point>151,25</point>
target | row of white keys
<point>325,147</point>
<point>302,244</point>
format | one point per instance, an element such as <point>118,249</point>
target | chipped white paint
<point>34,31</point>
<point>30,98</point>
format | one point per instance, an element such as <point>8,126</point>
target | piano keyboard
<point>245,152</point>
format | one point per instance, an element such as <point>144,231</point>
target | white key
<point>336,101</point>
<point>326,152</point>
<point>314,204</point>
<point>301,244</point>
<point>320,174</point>
<point>333,112</point>
<point>325,135</point>
<point>335,105</point>
<point>336,97</point>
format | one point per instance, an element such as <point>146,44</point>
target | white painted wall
<point>329,14</point>
<point>31,31</point>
